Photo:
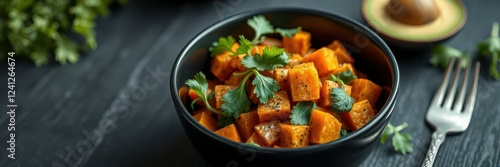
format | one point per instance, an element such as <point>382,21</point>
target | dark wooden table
<point>113,108</point>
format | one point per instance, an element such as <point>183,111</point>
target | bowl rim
<point>385,111</point>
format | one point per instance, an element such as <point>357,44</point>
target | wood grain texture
<point>104,111</point>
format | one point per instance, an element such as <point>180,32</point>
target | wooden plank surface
<point>113,108</point>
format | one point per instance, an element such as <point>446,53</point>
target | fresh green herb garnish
<point>39,29</point>
<point>253,144</point>
<point>222,45</point>
<point>442,54</point>
<point>245,46</point>
<point>225,121</point>
<point>271,58</point>
<point>347,76</point>
<point>236,101</point>
<point>343,132</point>
<point>288,32</point>
<point>261,26</point>
<point>301,113</point>
<point>341,101</point>
<point>491,46</point>
<point>200,85</point>
<point>400,141</point>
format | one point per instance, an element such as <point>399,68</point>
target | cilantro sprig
<point>222,45</point>
<point>200,86</point>
<point>400,141</point>
<point>236,101</point>
<point>301,113</point>
<point>491,46</point>
<point>261,27</point>
<point>341,101</point>
<point>442,54</point>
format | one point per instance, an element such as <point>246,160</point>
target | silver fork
<point>445,119</point>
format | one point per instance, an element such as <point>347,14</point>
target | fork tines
<point>439,97</point>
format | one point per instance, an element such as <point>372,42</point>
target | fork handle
<point>437,138</point>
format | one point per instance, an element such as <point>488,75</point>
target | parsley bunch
<point>341,101</point>
<point>491,46</point>
<point>400,141</point>
<point>36,28</point>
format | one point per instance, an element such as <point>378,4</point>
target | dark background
<point>67,114</point>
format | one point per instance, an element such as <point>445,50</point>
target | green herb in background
<point>400,141</point>
<point>491,46</point>
<point>36,29</point>
<point>442,54</point>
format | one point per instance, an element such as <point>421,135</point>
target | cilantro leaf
<point>442,54</point>
<point>222,45</point>
<point>341,101</point>
<point>301,113</point>
<point>343,132</point>
<point>336,79</point>
<point>491,46</point>
<point>271,58</point>
<point>347,76</point>
<point>245,46</point>
<point>253,144</point>
<point>200,86</point>
<point>401,142</point>
<point>236,101</point>
<point>264,87</point>
<point>388,131</point>
<point>261,26</point>
<point>288,32</point>
<point>225,121</point>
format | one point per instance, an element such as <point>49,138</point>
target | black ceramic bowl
<point>372,56</point>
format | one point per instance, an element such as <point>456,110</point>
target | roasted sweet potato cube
<point>236,62</point>
<point>252,96</point>
<point>276,108</point>
<point>342,53</point>
<point>361,113</point>
<point>343,68</point>
<point>365,89</point>
<point>337,116</point>
<point>259,49</point>
<point>246,123</point>
<point>324,60</point>
<point>206,110</point>
<point>206,119</point>
<point>221,90</point>
<point>229,132</point>
<point>294,136</point>
<point>299,43</point>
<point>325,100</point>
<point>281,76</point>
<point>221,65</point>
<point>272,42</point>
<point>256,139</point>
<point>304,82</point>
<point>324,127</point>
<point>235,80</point>
<point>269,132</point>
<point>295,59</point>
